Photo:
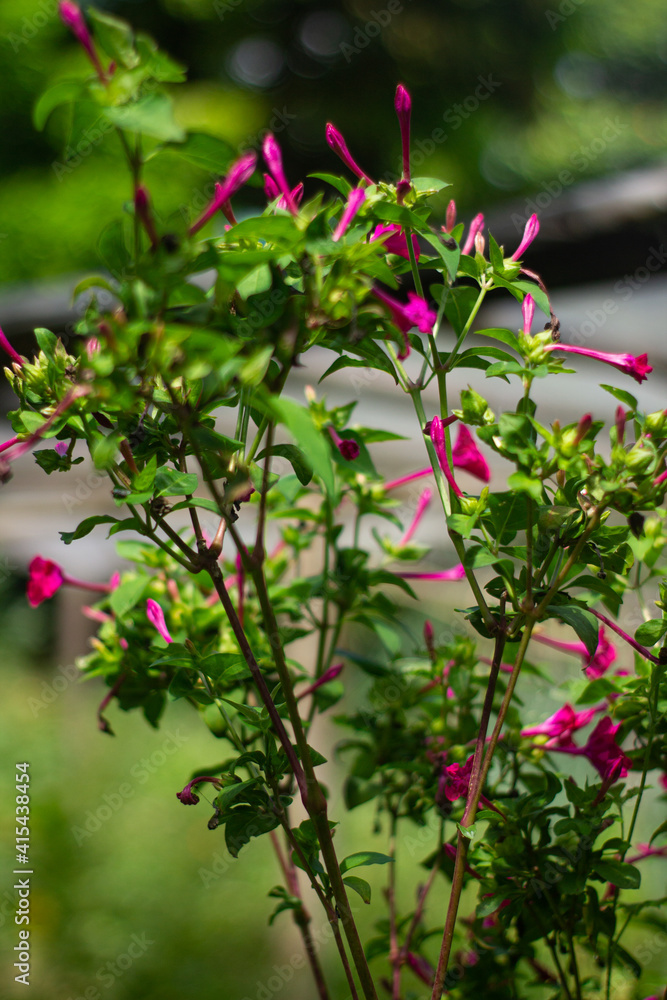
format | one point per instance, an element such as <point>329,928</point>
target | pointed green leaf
<point>360,886</point>
<point>362,858</point>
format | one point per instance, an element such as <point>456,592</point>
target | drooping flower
<point>415,313</point>
<point>637,367</point>
<point>601,750</point>
<point>188,797</point>
<point>72,18</point>
<point>528,311</point>
<point>437,434</point>
<point>466,455</point>
<point>403,106</point>
<point>475,226</point>
<point>155,615</point>
<point>396,243</point>
<point>455,573</point>
<point>8,349</point>
<point>597,664</point>
<point>531,230</point>
<point>329,675</point>
<point>355,200</point>
<point>46,577</point>
<point>339,146</point>
<point>348,448</point>
<point>238,174</point>
<point>560,726</point>
<point>457,779</point>
<point>274,161</point>
<point>422,504</point>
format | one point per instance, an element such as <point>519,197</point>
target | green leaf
<point>202,502</point>
<point>115,37</point>
<point>488,905</point>
<point>360,886</point>
<point>255,282</point>
<point>245,823</point>
<point>651,632</point>
<point>145,479</point>
<point>86,527</point>
<point>450,258</point>
<point>309,438</point>
<point>151,115</point>
<point>296,458</point>
<point>522,483</point>
<point>127,595</point>
<point>94,281</point>
<point>64,92</point>
<point>469,832</point>
<point>171,482</point>
<point>205,151</point>
<point>498,333</point>
<point>621,395</point>
<point>339,183</point>
<point>583,622</point>
<point>541,300</point>
<point>618,873</point>
<point>362,858</point>
<point>47,342</point>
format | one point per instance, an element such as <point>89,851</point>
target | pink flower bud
<point>528,311</point>
<point>336,142</point>
<point>450,220</point>
<point>72,18</point>
<point>274,161</point>
<point>475,226</point>
<point>530,232</point>
<point>155,615</point>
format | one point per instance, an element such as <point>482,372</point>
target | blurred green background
<point>521,92</point>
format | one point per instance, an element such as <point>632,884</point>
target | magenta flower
<point>601,750</point>
<point>456,573</point>
<point>188,797</point>
<point>403,105</point>
<point>531,230</point>
<point>46,577</point>
<point>475,226</point>
<point>355,200</point>
<point>396,243</point>
<point>272,191</point>
<point>72,18</point>
<point>61,447</point>
<point>348,448</point>
<point>415,313</point>
<point>437,434</point>
<point>646,851</point>
<point>274,161</point>
<point>560,726</point>
<point>450,218</point>
<point>8,349</point>
<point>457,779</point>
<point>329,675</point>
<point>394,483</point>
<point>466,455</point>
<point>155,615</point>
<point>143,210</point>
<point>637,367</point>
<point>595,665</point>
<point>528,311</point>
<point>339,146</point>
<point>238,174</point>
<point>422,504</point>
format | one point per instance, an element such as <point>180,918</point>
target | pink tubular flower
<point>450,218</point>
<point>528,311</point>
<point>466,455</point>
<point>422,504</point>
<point>637,367</point>
<point>274,161</point>
<point>403,105</point>
<point>475,226</point>
<point>355,200</point>
<point>437,434</point>
<point>395,483</point>
<point>46,577</point>
<point>595,665</point>
<point>530,232</point>
<point>339,146</point>
<point>188,797</point>
<point>396,243</point>
<point>329,675</point>
<point>8,349</point>
<point>72,18</point>
<point>155,615</point>
<point>272,191</point>
<point>415,313</point>
<point>348,448</point>
<point>560,726</point>
<point>421,967</point>
<point>238,174</point>
<point>456,573</point>
<point>646,851</point>
<point>457,779</point>
<point>601,750</point>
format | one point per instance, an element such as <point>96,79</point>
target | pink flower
<point>272,191</point>
<point>408,479</point>
<point>475,226</point>
<point>143,209</point>
<point>396,243</point>
<point>421,967</point>
<point>560,726</point>
<point>46,577</point>
<point>422,504</point>
<point>457,779</point>
<point>466,455</point>
<point>329,675</point>
<point>646,851</point>
<point>238,174</point>
<point>450,218</point>
<point>155,615</point>
<point>188,797</point>
<point>595,665</point>
<point>437,434</point>
<point>528,311</point>
<point>415,313</point>
<point>456,573</point>
<point>61,447</point>
<point>72,18</point>
<point>403,105</point>
<point>274,161</point>
<point>530,232</point>
<point>8,349</point>
<point>601,750</point>
<point>339,146</point>
<point>637,367</point>
<point>355,200</point>
<point>348,448</point>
